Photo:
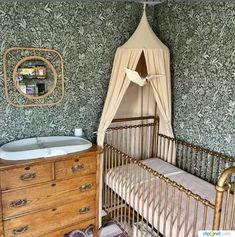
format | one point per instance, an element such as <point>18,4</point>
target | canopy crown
<point>144,37</point>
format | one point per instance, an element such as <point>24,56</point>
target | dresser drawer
<point>61,232</point>
<point>75,167</point>
<point>43,222</point>
<point>24,176</point>
<point>47,195</point>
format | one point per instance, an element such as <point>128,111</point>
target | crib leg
<point>218,206</point>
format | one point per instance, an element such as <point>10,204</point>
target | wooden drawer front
<point>43,222</point>
<point>47,195</point>
<point>61,232</point>
<point>24,176</point>
<point>75,167</point>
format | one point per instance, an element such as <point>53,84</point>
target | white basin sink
<point>39,147</point>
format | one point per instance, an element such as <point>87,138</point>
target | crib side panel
<point>196,160</point>
<point>143,201</point>
<point>135,137</point>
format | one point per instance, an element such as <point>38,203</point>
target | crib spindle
<point>192,159</point>
<point>189,158</point>
<point>232,224</point>
<point>195,217</point>
<point>159,207</point>
<point>117,185</point>
<point>205,210</point>
<point>143,199</point>
<point>105,172</point>
<point>165,206</point>
<point>226,208</point>
<point>172,208</point>
<point>179,212</point>
<point>134,194</point>
<point>138,200</point>
<point>109,166</point>
<point>148,198</point>
<point>125,195</point>
<point>186,216</point>
<point>185,157</point>
<point>159,146</point>
<point>114,185</point>
<point>122,186</point>
<point>129,198</point>
<point>153,203</point>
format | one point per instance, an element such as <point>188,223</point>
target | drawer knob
<point>28,176</point>
<point>20,230</point>
<point>18,203</point>
<point>84,187</point>
<point>75,168</point>
<point>84,210</point>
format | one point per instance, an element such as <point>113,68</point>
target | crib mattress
<point>122,181</point>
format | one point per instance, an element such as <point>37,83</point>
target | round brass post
<point>220,188</point>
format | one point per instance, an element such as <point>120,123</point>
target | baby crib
<point>155,185</point>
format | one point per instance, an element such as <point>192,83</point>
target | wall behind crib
<point>87,35</point>
<point>201,38</point>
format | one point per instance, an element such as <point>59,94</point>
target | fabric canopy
<point>144,53</point>
<point>126,99</point>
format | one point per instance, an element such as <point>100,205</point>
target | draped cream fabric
<point>117,87</point>
<point>124,98</point>
<point>158,61</point>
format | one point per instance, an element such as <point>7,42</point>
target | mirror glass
<point>34,77</point>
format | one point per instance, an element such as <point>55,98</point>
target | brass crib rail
<point>199,161</point>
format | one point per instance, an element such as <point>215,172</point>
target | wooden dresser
<point>50,197</point>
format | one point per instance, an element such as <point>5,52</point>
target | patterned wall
<point>201,38</point>
<point>87,35</point>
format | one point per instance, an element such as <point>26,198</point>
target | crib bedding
<point>122,180</point>
<point>140,176</point>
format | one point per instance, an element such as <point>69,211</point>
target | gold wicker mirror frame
<point>14,57</point>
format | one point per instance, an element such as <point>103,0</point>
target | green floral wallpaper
<point>201,38</point>
<point>87,35</point>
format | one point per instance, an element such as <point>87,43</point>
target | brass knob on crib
<point>75,168</point>
<point>84,187</point>
<point>20,230</point>
<point>28,176</point>
<point>84,210</point>
<point>18,203</point>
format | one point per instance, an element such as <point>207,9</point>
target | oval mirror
<point>34,77</point>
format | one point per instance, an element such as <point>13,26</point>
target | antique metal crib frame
<point>132,140</point>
